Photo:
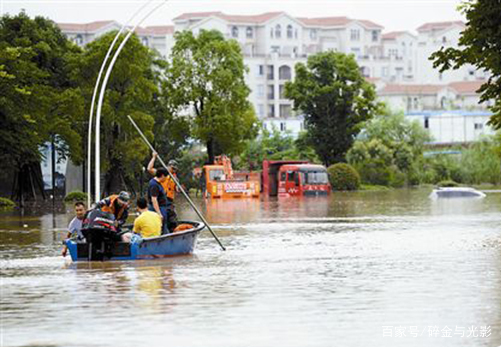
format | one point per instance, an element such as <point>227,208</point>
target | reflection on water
<point>298,272</point>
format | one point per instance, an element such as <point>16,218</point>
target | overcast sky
<point>392,14</point>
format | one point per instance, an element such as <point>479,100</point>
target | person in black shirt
<point>157,198</point>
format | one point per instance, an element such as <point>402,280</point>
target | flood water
<point>355,269</point>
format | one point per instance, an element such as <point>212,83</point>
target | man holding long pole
<point>178,185</point>
<point>157,198</point>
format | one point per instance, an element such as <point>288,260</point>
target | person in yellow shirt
<point>148,224</point>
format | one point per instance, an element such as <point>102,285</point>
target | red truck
<point>286,178</point>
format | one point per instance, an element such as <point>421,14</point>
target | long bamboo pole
<point>181,189</point>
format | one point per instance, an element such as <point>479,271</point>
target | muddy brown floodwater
<point>355,269</point>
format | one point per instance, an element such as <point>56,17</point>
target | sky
<point>392,14</point>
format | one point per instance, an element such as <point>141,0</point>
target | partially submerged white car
<point>456,192</point>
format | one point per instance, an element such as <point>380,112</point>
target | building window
<point>301,126</point>
<point>271,111</point>
<point>375,35</point>
<point>409,103</point>
<point>260,70</point>
<point>271,32</point>
<point>479,126</point>
<point>282,126</point>
<point>79,40</point>
<point>281,91</point>
<point>234,31</point>
<point>313,34</point>
<point>284,73</point>
<point>285,111</point>
<point>444,39</point>
<point>365,71</point>
<point>416,103</point>
<point>393,52</point>
<point>144,41</point>
<point>427,123</point>
<point>270,75</point>
<point>249,33</point>
<point>278,31</point>
<point>355,35</point>
<point>295,33</point>
<point>260,91</point>
<point>404,50</point>
<point>290,31</point>
<point>260,110</point>
<point>275,49</point>
<point>384,71</point>
<point>271,92</point>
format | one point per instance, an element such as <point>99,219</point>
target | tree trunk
<point>210,150</point>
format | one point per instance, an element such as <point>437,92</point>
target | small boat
<point>456,192</point>
<point>101,243</point>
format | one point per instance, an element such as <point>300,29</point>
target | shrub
<point>343,177</point>
<point>397,179</point>
<point>447,183</point>
<point>375,172</point>
<point>75,196</point>
<point>6,203</point>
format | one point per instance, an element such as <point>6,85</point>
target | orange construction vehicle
<point>220,181</point>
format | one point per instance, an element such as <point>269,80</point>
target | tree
<point>335,99</point>
<point>479,45</point>
<point>130,91</point>
<point>38,100</point>
<point>388,147</point>
<point>206,77</point>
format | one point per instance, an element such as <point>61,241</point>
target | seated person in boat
<point>75,226</point>
<point>148,224</point>
<point>170,189</point>
<point>117,205</point>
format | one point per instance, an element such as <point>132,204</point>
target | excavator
<point>221,182</point>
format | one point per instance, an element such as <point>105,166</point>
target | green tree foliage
<point>388,150</point>
<point>275,145</point>
<point>343,176</point>
<point>335,99</point>
<point>38,100</point>
<point>206,77</point>
<point>130,91</point>
<point>479,45</point>
<point>480,164</point>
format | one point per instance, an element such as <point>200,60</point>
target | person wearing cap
<point>117,205</point>
<point>170,189</point>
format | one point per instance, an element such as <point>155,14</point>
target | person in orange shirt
<point>170,189</point>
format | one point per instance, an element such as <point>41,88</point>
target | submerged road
<point>355,269</point>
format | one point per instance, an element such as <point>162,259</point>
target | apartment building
<point>273,43</point>
<point>160,38</point>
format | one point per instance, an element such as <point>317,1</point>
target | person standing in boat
<point>157,199</point>
<point>75,226</point>
<point>170,190</point>
<point>117,205</point>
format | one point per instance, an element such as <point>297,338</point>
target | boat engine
<point>100,233</point>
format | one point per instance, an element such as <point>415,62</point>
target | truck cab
<point>303,180</point>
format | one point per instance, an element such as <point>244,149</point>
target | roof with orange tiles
<point>393,35</point>
<point>338,21</point>
<point>439,25</point>
<point>157,30</point>
<point>259,18</point>
<point>84,27</point>
<point>466,87</point>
